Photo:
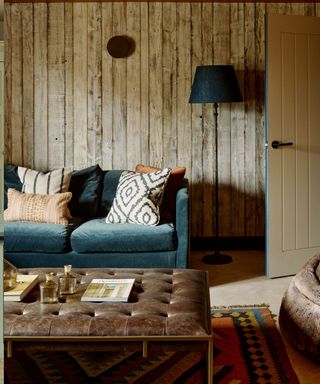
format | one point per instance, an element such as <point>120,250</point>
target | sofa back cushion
<point>11,180</point>
<point>109,188</point>
<point>85,186</point>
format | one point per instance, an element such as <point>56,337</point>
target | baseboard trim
<point>225,243</point>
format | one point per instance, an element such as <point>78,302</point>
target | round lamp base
<point>217,259</point>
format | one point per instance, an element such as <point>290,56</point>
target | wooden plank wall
<point>69,103</point>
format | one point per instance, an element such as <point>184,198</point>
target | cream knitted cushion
<point>56,181</point>
<point>40,208</point>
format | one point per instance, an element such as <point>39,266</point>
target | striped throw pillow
<point>49,183</point>
<point>51,209</point>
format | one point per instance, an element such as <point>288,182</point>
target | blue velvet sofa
<point>88,241</point>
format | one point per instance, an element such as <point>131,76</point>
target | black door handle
<point>276,144</point>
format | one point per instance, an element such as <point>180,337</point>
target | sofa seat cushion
<point>98,236</point>
<point>27,236</point>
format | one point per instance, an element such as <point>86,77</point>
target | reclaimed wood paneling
<point>196,123</point>
<point>107,88</point>
<point>40,60</point>
<point>7,87</point>
<point>16,83</point>
<point>27,84</point>
<point>94,84</point>
<point>56,86</point>
<point>68,51</point>
<point>208,147</point>
<point>80,84</point>
<point>68,102</point>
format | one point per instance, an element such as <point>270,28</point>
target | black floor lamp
<point>215,84</point>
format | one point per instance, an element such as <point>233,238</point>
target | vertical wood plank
<point>68,51</point>
<point>16,81</point>
<point>309,9</point>
<point>120,93</point>
<point>107,88</point>
<point>169,80</point>
<point>144,76</point>
<point>237,203</point>
<point>56,88</point>
<point>297,9</point>
<point>40,11</point>
<point>208,150</point>
<point>260,117</point>
<point>7,85</point>
<point>134,131</point>
<point>196,124</point>
<point>94,83</point>
<point>80,86</point>
<point>27,84</point>
<point>155,85</point>
<point>249,121</point>
<point>184,86</point>
<point>222,56</point>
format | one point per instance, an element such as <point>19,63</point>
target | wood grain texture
<point>68,51</point>
<point>27,84</point>
<point>7,86</point>
<point>208,129</point>
<point>222,35</point>
<point>80,84</point>
<point>68,102</point>
<point>196,124</point>
<point>16,83</point>
<point>107,88</point>
<point>94,84</point>
<point>119,103</point>
<point>56,86</point>
<point>169,79</point>
<point>249,120</point>
<point>40,21</point>
<point>134,130</point>
<point>237,133</point>
<point>155,85</point>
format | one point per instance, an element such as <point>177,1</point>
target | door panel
<point>293,115</point>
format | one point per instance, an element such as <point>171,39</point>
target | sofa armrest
<point>182,226</point>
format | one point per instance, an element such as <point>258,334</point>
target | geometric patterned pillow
<point>168,207</point>
<point>138,198</point>
<point>48,183</point>
<point>39,208</point>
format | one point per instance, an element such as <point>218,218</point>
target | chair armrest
<point>182,226</point>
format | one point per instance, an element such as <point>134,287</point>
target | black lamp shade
<point>215,84</point>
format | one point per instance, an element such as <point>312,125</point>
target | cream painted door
<point>293,116</point>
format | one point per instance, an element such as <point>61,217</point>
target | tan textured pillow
<point>48,183</point>
<point>169,199</point>
<point>51,209</point>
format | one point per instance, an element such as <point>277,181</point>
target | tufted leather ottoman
<point>167,309</point>
<point>299,316</point>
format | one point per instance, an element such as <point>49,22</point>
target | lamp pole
<point>217,257</point>
<point>215,84</point>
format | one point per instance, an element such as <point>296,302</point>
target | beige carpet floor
<point>243,282</point>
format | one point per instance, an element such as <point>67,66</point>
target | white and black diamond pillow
<point>138,198</point>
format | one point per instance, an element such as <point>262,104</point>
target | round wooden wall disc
<point>118,46</point>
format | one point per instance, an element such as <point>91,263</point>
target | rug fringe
<point>241,306</point>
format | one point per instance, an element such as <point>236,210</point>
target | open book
<point>108,290</point>
<point>24,285</point>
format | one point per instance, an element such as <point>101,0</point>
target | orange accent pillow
<point>168,206</point>
<point>51,209</point>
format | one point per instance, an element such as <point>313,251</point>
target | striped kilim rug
<point>247,349</point>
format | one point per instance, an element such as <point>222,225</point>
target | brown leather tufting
<point>164,302</point>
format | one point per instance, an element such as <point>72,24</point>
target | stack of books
<point>108,290</point>
<point>25,283</point>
